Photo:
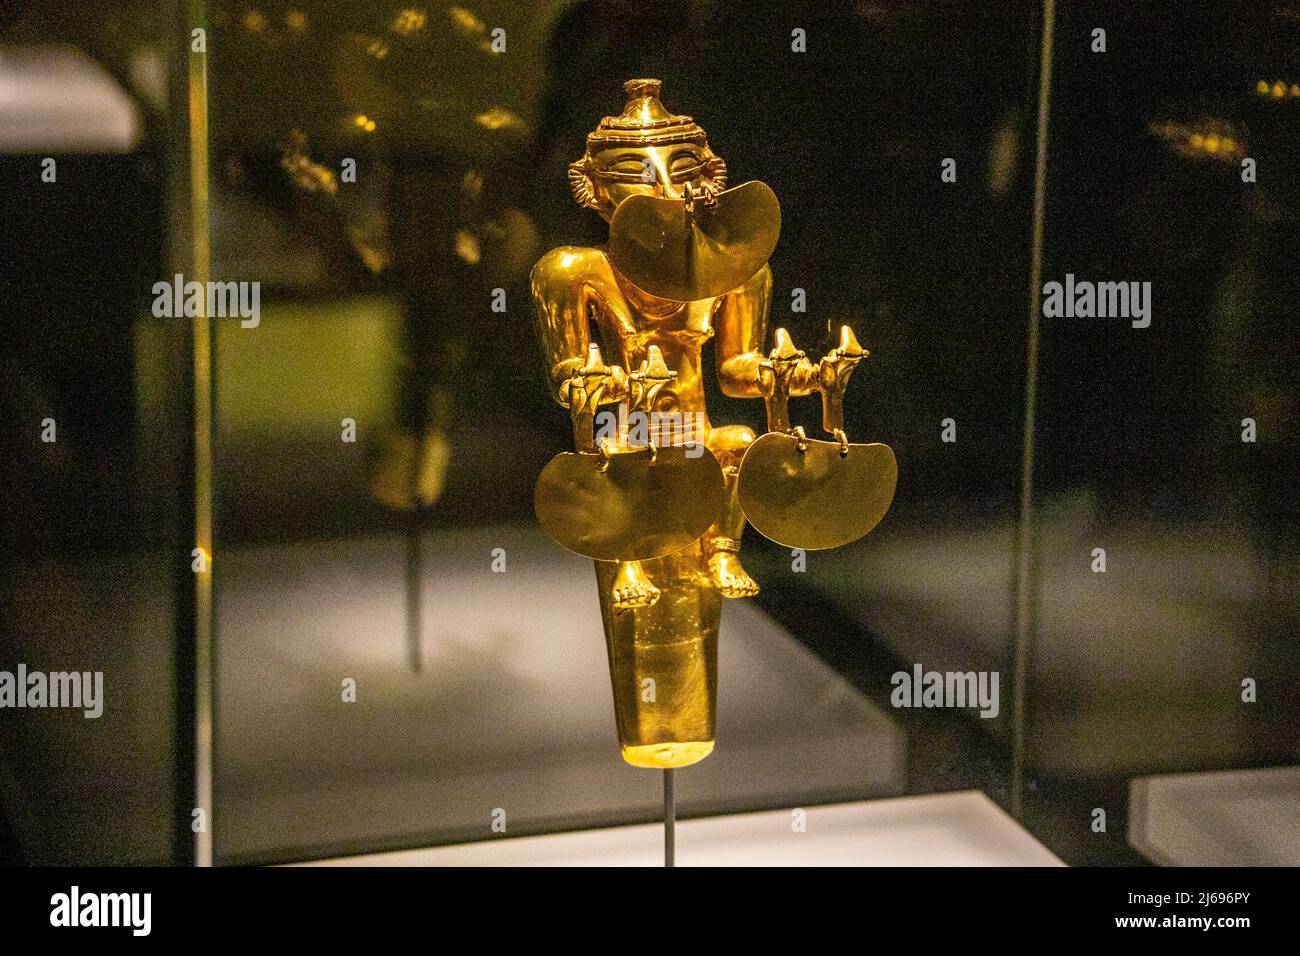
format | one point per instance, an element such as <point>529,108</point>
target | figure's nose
<point>664,180</point>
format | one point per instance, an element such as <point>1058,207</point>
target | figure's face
<point>617,172</point>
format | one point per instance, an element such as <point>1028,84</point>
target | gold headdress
<point>645,122</point>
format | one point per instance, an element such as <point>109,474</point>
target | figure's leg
<point>632,587</point>
<point>722,541</point>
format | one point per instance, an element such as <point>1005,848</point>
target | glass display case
<point>276,409</point>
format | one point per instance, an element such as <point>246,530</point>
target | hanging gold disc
<point>815,498</point>
<point>635,509</point>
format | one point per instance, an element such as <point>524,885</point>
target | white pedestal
<point>946,829</point>
<point>1231,818</point>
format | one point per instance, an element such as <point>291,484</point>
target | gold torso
<point>637,320</point>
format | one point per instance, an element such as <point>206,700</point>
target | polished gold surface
<point>613,500</point>
<point>627,506</point>
<point>687,262</point>
<point>805,493</point>
<point>695,250</point>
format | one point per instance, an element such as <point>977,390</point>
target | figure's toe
<point>739,587</point>
<point>635,596</point>
<point>730,578</point>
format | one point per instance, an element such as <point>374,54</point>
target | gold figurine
<point>654,493</point>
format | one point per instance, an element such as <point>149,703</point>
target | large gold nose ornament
<point>697,248</point>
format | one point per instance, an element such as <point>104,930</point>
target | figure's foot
<point>729,577</point>
<point>632,589</point>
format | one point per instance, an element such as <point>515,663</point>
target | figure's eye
<point>683,166</point>
<point>631,164</point>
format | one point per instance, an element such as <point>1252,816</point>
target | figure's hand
<point>806,378</point>
<point>775,376</point>
<point>798,375</point>
<point>833,373</point>
<point>594,383</point>
<point>645,383</point>
<point>776,373</point>
<point>834,368</point>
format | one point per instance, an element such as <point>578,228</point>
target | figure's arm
<point>567,285</point>
<point>741,325</point>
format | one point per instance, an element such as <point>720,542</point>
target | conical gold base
<point>665,756</point>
